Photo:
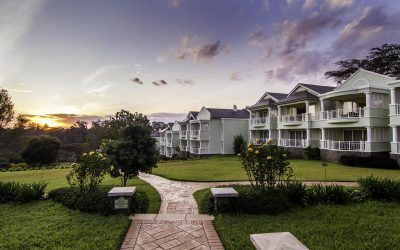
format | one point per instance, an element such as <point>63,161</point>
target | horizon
<point>63,61</point>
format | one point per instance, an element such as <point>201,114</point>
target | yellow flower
<point>257,152</point>
<point>258,141</point>
<point>284,155</point>
<point>270,141</point>
<point>238,154</point>
<point>91,153</point>
<point>112,167</point>
<point>84,154</point>
<point>269,157</point>
<point>250,145</point>
<point>101,155</point>
<point>250,149</point>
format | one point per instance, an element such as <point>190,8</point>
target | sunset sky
<point>65,60</point>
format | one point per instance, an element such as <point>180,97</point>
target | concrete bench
<point>121,198</point>
<point>222,197</point>
<point>276,241</point>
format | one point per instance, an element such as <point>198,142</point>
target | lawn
<point>49,225</point>
<point>229,169</point>
<point>369,225</point>
<point>56,179</point>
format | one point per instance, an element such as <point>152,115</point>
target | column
<point>394,134</point>
<point>368,99</point>
<point>369,134</point>
<point>393,96</point>
<point>322,105</point>
<point>323,138</point>
<point>307,111</point>
<point>308,142</point>
<point>279,137</point>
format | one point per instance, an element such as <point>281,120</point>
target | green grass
<point>49,225</point>
<point>229,169</point>
<point>56,179</point>
<point>369,225</point>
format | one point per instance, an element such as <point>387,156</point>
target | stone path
<point>178,224</point>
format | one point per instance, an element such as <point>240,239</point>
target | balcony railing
<point>341,114</point>
<point>183,148</point>
<point>296,143</point>
<point>343,145</point>
<point>397,109</point>
<point>259,141</point>
<point>199,134</point>
<point>260,121</point>
<point>291,118</point>
<point>194,150</point>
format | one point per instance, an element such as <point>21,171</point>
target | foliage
<point>369,161</point>
<point>14,191</point>
<point>6,109</point>
<point>205,201</point>
<point>332,194</point>
<point>380,188</point>
<point>96,201</point>
<point>89,173</point>
<point>238,143</point>
<point>49,225</point>
<point>383,60</point>
<point>265,165</point>
<point>311,153</point>
<point>295,192</point>
<point>135,151</point>
<point>41,150</point>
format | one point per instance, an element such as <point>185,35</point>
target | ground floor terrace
<point>261,136</point>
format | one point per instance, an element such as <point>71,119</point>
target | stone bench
<point>276,241</point>
<point>121,198</point>
<point>222,197</point>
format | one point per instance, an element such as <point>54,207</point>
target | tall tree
<point>383,60</point>
<point>6,108</point>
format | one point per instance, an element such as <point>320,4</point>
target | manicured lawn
<point>56,179</point>
<point>370,225</point>
<point>229,169</point>
<point>49,225</point>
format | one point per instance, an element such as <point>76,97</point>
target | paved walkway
<point>178,224</point>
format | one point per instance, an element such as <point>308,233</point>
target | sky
<point>68,60</point>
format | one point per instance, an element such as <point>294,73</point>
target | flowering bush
<point>88,173</point>
<point>265,164</point>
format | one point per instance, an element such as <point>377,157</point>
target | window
<point>380,134</point>
<point>379,100</point>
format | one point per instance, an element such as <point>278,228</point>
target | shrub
<point>311,153</point>
<point>369,162</point>
<point>96,201</point>
<point>206,205</point>
<point>14,191</point>
<point>330,194</point>
<point>380,188</point>
<point>88,174</point>
<point>294,191</point>
<point>238,143</point>
<point>18,166</point>
<point>41,150</point>
<point>265,165</point>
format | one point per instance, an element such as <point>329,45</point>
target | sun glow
<point>51,122</point>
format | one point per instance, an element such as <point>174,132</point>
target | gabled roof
<point>192,115</point>
<point>262,102</point>
<point>320,89</point>
<point>228,113</point>
<point>277,96</point>
<point>298,96</point>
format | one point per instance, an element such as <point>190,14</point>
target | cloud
<point>338,4</point>
<point>269,74</point>
<point>235,76</point>
<point>166,117</point>
<point>16,18</point>
<point>201,52</point>
<point>163,82</point>
<point>257,37</point>
<point>174,3</point>
<point>99,90</point>
<point>161,59</point>
<point>63,119</point>
<point>137,80</point>
<point>156,84</point>
<point>19,88</point>
<point>103,70</point>
<point>184,81</point>
<point>373,28</point>
<point>310,4</point>
<point>209,50</point>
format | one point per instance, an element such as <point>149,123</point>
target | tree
<point>158,125</point>
<point>6,108</point>
<point>383,60</point>
<point>238,142</point>
<point>42,150</point>
<point>134,152</point>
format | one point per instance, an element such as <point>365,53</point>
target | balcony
<point>260,141</point>
<point>183,134</point>
<point>292,119</point>
<point>199,134</point>
<point>184,148</point>
<point>199,150</point>
<point>295,143</point>
<point>340,116</point>
<point>259,122</point>
<point>343,145</point>
<point>168,144</point>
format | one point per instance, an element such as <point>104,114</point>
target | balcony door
<point>355,135</point>
<point>298,134</point>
